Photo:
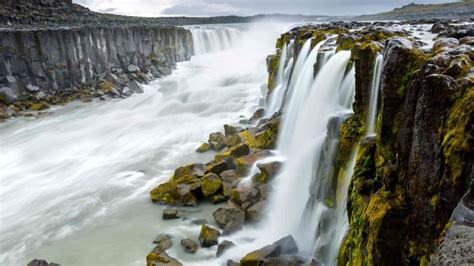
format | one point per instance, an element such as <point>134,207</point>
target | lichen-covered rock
<point>159,258</point>
<point>210,184</point>
<point>267,172</point>
<point>208,236</point>
<point>203,148</point>
<point>170,194</point>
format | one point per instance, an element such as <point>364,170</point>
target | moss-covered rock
<point>208,236</point>
<point>210,184</point>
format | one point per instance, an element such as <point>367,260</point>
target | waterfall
<point>207,40</point>
<point>301,85</point>
<point>281,79</point>
<point>302,147</point>
<point>374,95</point>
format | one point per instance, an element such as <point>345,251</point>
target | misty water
<point>75,182</point>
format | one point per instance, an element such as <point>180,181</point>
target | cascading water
<point>207,40</point>
<point>75,182</point>
<point>303,147</point>
<point>374,95</point>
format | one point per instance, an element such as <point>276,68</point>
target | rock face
<point>409,179</point>
<point>57,60</point>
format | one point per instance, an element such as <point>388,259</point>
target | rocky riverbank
<point>42,67</point>
<point>408,178</point>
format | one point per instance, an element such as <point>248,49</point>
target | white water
<point>75,182</point>
<point>208,39</point>
<point>374,95</point>
<point>291,194</point>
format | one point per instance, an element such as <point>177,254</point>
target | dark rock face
<point>57,60</point>
<point>269,254</point>
<point>408,181</point>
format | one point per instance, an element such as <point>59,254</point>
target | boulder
<point>232,227</point>
<point>167,193</point>
<point>445,43</point>
<point>208,236</point>
<point>229,213</point>
<point>284,246</point>
<point>189,246</point>
<point>196,169</point>
<point>159,257</point>
<point>217,167</point>
<point>267,172</point>
<point>170,214</point>
<point>7,95</point>
<point>223,246</point>
<point>217,141</point>
<point>440,27</point>
<point>255,212</point>
<point>205,147</point>
<point>230,176</point>
<point>218,198</point>
<point>232,140</point>
<point>243,195</point>
<point>210,184</point>
<point>163,242</point>
<point>186,184</point>
<point>133,68</point>
<point>231,130</point>
<point>39,262</point>
<point>39,106</point>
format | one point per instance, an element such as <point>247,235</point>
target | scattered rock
<point>39,106</point>
<point>189,246</point>
<point>218,198</point>
<point>133,69</point>
<point>205,147</point>
<point>229,213</point>
<point>284,246</point>
<point>445,43</point>
<point>163,242</point>
<point>255,212</point>
<point>223,246</point>
<point>39,262</point>
<point>208,236</point>
<point>159,257</point>
<point>230,176</point>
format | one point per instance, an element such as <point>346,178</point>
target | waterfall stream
<point>208,39</point>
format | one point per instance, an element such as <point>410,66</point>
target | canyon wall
<point>41,62</point>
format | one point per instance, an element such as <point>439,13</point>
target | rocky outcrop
<point>408,180</point>
<point>44,65</point>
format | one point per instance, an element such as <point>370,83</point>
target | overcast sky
<point>245,7</point>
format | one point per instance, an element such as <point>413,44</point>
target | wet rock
<point>205,147</point>
<point>264,191</point>
<point>218,167</point>
<point>267,172</point>
<point>232,140</point>
<point>196,170</point>
<point>199,221</point>
<point>244,163</point>
<point>236,151</point>
<point>223,246</point>
<point>208,236</point>
<point>255,212</point>
<point>218,198</point>
<point>284,246</point>
<point>7,95</point>
<point>186,184</point>
<point>39,106</point>
<point>163,242</point>
<point>133,69</point>
<point>135,86</point>
<point>159,257</point>
<point>445,43</point>
<point>39,262</point>
<point>189,246</point>
<point>170,214</point>
<point>346,41</point>
<point>230,176</point>
<point>440,27</point>
<point>232,263</point>
<point>232,227</point>
<point>210,184</point>
<point>243,195</point>
<point>217,141</point>
<point>231,130</point>
<point>229,213</point>
<point>167,193</point>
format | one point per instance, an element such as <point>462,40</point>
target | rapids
<point>75,182</point>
